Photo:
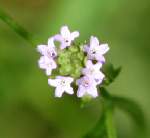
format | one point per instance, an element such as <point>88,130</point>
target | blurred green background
<point>28,108</point>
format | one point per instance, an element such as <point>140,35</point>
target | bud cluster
<point>71,63</point>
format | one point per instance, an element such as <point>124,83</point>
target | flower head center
<point>66,41</point>
<point>51,54</point>
<point>62,82</point>
<point>91,71</point>
<point>49,65</point>
<point>93,51</point>
<point>86,83</point>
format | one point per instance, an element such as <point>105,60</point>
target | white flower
<point>95,51</point>
<point>47,63</point>
<point>93,70</point>
<point>48,50</point>
<point>66,37</point>
<point>86,86</point>
<point>62,85</point>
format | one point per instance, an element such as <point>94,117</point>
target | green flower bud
<point>71,61</point>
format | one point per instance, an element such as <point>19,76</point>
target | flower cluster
<point>73,64</point>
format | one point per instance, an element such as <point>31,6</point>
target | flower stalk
<point>17,28</point>
<point>108,112</point>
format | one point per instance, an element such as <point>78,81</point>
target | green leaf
<point>133,109</point>
<point>17,28</point>
<point>99,130</point>
<point>111,73</point>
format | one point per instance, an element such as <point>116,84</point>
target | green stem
<point>108,109</point>
<point>98,131</point>
<point>17,28</point>
<point>109,122</point>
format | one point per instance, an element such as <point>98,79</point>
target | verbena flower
<point>66,37</point>
<point>48,50</point>
<point>47,63</point>
<point>62,85</point>
<point>95,51</point>
<point>86,86</point>
<point>93,70</point>
<point>72,63</point>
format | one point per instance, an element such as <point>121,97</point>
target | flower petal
<point>89,64</point>
<point>104,48</point>
<point>58,92</point>
<point>58,37</point>
<point>98,65</point>
<point>53,82</point>
<point>74,35</point>
<point>69,79</point>
<point>42,49</point>
<point>94,41</point>
<point>100,58</point>
<point>98,77</point>
<point>54,65</point>
<point>84,71</point>
<point>86,48</point>
<point>41,63</point>
<point>63,45</point>
<point>51,42</point>
<point>93,92</point>
<point>48,71</point>
<point>69,90</point>
<point>81,91</point>
<point>65,31</point>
